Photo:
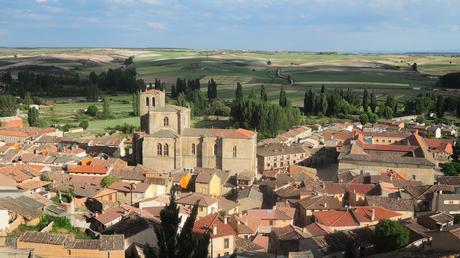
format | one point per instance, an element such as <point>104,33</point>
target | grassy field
<point>382,73</point>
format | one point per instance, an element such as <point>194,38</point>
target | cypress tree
<point>239,92</point>
<point>106,108</point>
<point>136,103</point>
<point>263,94</point>
<point>283,98</point>
<point>174,244</point>
<point>33,116</point>
<point>365,100</point>
<point>373,102</point>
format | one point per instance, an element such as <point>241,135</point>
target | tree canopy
<point>390,235</point>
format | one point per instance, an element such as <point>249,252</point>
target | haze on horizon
<point>300,25</point>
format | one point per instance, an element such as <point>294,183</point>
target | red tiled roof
<point>86,169</point>
<point>152,91</point>
<point>13,133</point>
<point>353,216</point>
<point>115,213</point>
<point>438,145</point>
<point>126,187</point>
<point>207,223</point>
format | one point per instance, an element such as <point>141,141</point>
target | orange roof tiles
<point>152,91</point>
<point>207,223</point>
<point>86,169</point>
<point>354,216</point>
<point>13,133</point>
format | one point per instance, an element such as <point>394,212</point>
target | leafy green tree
<point>105,108</point>
<point>391,102</point>
<point>182,100</point>
<point>363,118</point>
<point>373,117</point>
<point>92,110</point>
<point>212,89</point>
<point>263,94</point>
<point>366,100</point>
<point>33,117</point>
<point>8,105</point>
<point>451,168</point>
<point>283,98</point>
<point>183,244</point>
<point>109,180</point>
<point>388,112</point>
<point>83,124</point>
<point>252,94</point>
<point>390,235</point>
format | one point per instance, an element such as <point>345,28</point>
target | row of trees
<point>429,103</point>
<point>256,113</point>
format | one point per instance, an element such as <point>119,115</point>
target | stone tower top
<point>151,99</point>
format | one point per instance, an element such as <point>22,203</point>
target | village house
<point>111,216</point>
<point>446,202</point>
<point>249,198</point>
<point>136,230</point>
<point>15,212</point>
<point>26,134</point>
<point>412,158</point>
<point>406,207</point>
<point>50,245</point>
<point>276,217</point>
<point>222,235</point>
<point>308,205</point>
<point>276,156</point>
<point>206,204</point>
<point>11,122</point>
<point>132,193</point>
<point>207,182</point>
<point>112,145</point>
<point>287,239</point>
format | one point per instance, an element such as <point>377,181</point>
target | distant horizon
<point>434,52</point>
<point>353,26</point>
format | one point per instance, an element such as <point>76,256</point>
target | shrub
<point>92,110</point>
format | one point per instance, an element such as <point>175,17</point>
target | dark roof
<point>43,238</point>
<point>396,204</point>
<point>322,202</point>
<point>112,242</point>
<point>16,205</point>
<point>276,149</point>
<point>385,159</point>
<point>290,232</point>
<point>204,177</point>
<point>448,180</point>
<point>83,244</point>
<point>244,245</point>
<point>440,200</point>
<point>130,225</point>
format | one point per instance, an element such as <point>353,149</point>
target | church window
<point>153,102</point>
<point>166,121</point>
<point>159,149</point>
<point>166,149</point>
<point>234,151</point>
<point>147,101</point>
<point>215,149</point>
<point>193,149</point>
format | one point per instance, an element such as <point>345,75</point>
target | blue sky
<point>311,25</point>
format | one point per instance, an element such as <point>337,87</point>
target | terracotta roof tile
<point>205,225</point>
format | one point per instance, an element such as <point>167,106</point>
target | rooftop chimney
<point>373,215</point>
<point>325,205</point>
<point>225,220</point>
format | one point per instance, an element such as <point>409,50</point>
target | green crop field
<point>382,73</point>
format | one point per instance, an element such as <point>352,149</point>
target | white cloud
<point>156,25</point>
<point>149,1</point>
<point>41,1</point>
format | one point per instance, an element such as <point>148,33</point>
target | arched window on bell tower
<point>166,121</point>
<point>234,151</point>
<point>153,102</point>
<point>159,149</point>
<point>193,149</point>
<point>166,150</point>
<point>147,101</point>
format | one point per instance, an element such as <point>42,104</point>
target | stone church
<point>166,141</point>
